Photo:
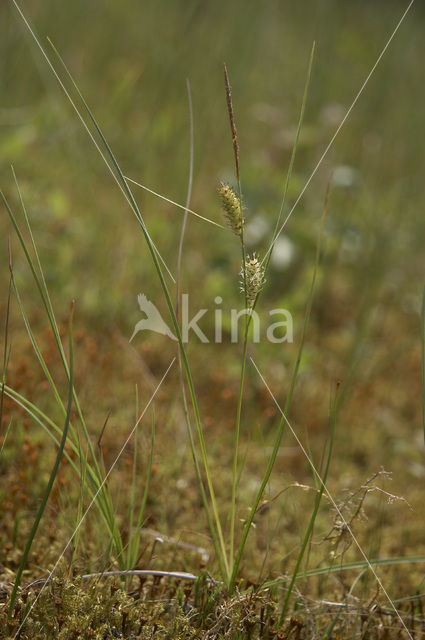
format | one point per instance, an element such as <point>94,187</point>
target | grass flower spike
<point>254,278</point>
<point>232,209</point>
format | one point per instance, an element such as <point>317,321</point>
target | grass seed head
<point>232,209</point>
<point>252,278</point>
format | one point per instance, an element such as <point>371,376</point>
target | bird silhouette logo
<point>153,320</point>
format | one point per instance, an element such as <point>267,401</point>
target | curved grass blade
<point>6,355</point>
<point>104,498</point>
<point>154,255</point>
<point>53,474</point>
<point>122,180</point>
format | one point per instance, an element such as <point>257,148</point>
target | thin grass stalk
<point>82,456</point>
<point>43,420</point>
<point>317,502</point>
<point>282,422</point>
<point>52,477</point>
<point>167,296</point>
<point>294,152</point>
<point>232,122</point>
<point>84,489</point>
<point>315,478</point>
<point>176,204</point>
<point>6,435</point>
<point>42,287</point>
<point>6,355</point>
<point>423,358</point>
<point>188,198</point>
<point>133,485</point>
<point>115,539</point>
<point>247,322</point>
<point>40,290</point>
<point>106,507</point>
<point>248,318</point>
<point>135,542</point>
<point>290,168</point>
<point>43,292</point>
<point>328,633</point>
<point>349,566</point>
<point>236,441</point>
<point>222,560</point>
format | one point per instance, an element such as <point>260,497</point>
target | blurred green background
<point>131,61</point>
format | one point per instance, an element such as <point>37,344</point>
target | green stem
<point>236,446</point>
<point>318,500</point>
<point>282,422</point>
<point>247,321</point>
<point>423,358</point>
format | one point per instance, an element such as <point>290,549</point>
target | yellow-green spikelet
<point>253,275</point>
<point>232,209</point>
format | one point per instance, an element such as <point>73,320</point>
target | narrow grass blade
<point>51,428</point>
<point>176,204</point>
<point>35,414</point>
<point>331,626</point>
<point>423,358</point>
<point>5,437</point>
<point>293,154</point>
<point>133,484</point>
<point>349,566</point>
<point>104,498</point>
<point>318,500</point>
<point>6,355</point>
<point>188,198</point>
<point>167,296</point>
<point>52,478</point>
<point>74,106</point>
<point>135,540</point>
<point>122,181</point>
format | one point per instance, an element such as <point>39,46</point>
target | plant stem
<point>153,253</point>
<point>318,500</point>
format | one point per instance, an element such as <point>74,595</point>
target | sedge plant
<point>253,271</point>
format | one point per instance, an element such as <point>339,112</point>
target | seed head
<point>232,209</point>
<point>254,277</point>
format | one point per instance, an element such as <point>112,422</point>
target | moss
<point>73,609</point>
